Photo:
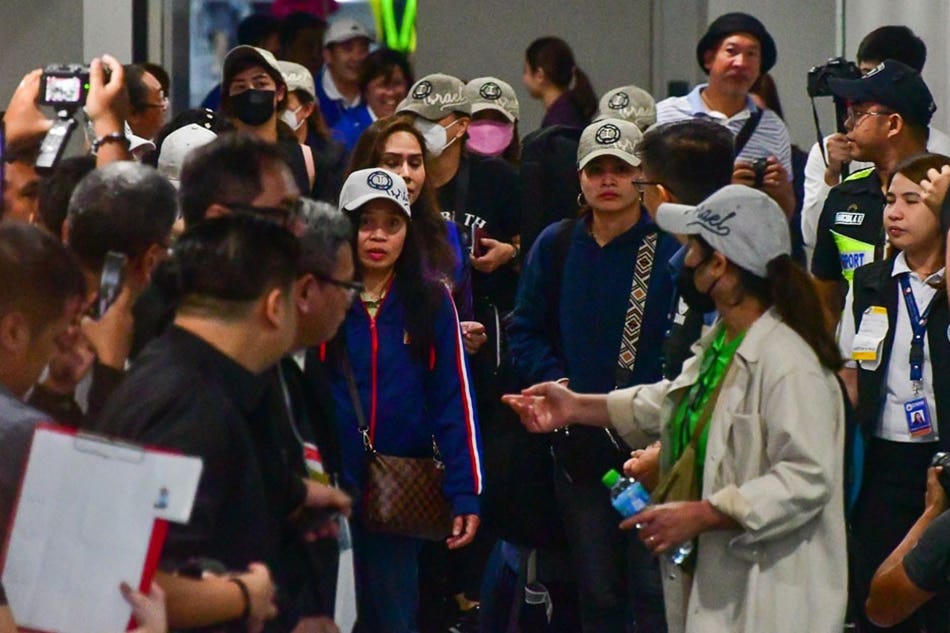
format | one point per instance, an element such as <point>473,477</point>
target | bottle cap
<point>610,478</point>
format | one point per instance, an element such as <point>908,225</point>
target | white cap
<point>742,223</point>
<point>177,146</point>
<point>372,184</point>
<point>344,30</point>
<point>297,77</point>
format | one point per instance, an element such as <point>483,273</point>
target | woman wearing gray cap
<point>754,426</point>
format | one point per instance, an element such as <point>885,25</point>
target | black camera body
<point>64,86</point>
<point>943,459</point>
<point>758,168</point>
<point>834,68</point>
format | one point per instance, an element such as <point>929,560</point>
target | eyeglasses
<point>163,104</point>
<point>854,117</point>
<point>640,184</point>
<point>285,216</point>
<point>352,288</point>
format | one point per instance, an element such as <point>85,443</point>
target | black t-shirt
<point>492,202</point>
<point>928,564</point>
<point>183,394</point>
<point>851,227</point>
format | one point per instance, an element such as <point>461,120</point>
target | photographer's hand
<point>936,500</point>
<point>778,186</point>
<point>107,106</point>
<point>23,118</point>
<point>838,152</point>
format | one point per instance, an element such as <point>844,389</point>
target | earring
<point>580,200</point>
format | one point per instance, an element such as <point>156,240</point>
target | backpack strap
<point>633,321</point>
<point>748,130</point>
<point>562,244</point>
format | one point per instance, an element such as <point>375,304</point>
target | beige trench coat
<point>774,463</point>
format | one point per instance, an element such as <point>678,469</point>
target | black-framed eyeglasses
<point>640,184</point>
<point>352,288</point>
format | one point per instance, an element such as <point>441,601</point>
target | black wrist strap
<point>247,596</point>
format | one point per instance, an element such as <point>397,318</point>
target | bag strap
<point>308,161</point>
<point>707,413</point>
<point>633,322</point>
<point>357,404</point>
<point>748,130</point>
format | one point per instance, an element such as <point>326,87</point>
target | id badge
<point>919,423</point>
<point>866,347</point>
<point>314,461</point>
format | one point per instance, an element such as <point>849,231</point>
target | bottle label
<point>632,500</point>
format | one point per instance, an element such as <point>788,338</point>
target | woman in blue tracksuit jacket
<point>404,343</point>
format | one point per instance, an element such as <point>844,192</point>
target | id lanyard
<point>918,324</point>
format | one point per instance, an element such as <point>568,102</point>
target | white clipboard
<point>91,513</point>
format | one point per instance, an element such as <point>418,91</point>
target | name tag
<point>870,337</point>
<point>917,413</point>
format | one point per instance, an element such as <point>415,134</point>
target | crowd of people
<point>333,274</point>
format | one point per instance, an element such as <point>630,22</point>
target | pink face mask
<point>489,138</point>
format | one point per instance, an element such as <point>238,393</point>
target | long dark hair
<point>555,58</point>
<point>420,291</point>
<point>789,289</point>
<point>426,214</point>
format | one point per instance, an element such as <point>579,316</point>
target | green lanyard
<point>398,38</point>
<point>715,362</point>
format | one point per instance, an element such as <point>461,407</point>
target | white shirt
<point>897,388</point>
<point>816,189</point>
<point>331,90</point>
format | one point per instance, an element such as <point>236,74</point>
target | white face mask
<point>436,136</point>
<point>290,118</point>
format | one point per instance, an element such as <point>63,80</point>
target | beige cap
<point>491,93</point>
<point>297,77</point>
<point>238,54</point>
<point>609,137</point>
<point>435,96</point>
<point>630,103</point>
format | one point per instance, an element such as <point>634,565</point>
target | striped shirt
<point>769,139</point>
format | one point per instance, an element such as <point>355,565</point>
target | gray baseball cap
<point>491,93</point>
<point>435,96</point>
<point>344,30</point>
<point>297,77</point>
<point>372,184</point>
<point>742,223</point>
<point>609,137</point>
<point>263,58</point>
<point>629,103</point>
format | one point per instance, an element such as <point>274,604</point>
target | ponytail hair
<point>792,293</point>
<point>556,59</point>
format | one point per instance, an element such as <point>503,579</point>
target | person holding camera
<point>919,568</point>
<point>735,50</point>
<point>889,113</point>
<point>901,398</point>
<point>822,172</point>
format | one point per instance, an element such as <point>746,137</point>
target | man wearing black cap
<point>735,50</point>
<point>888,116</point>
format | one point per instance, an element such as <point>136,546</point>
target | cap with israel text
<point>742,223</point>
<point>628,102</point>
<point>435,96</point>
<point>893,85</point>
<point>374,184</point>
<point>609,137</point>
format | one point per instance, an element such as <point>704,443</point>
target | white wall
<point>928,19</point>
<point>35,34</point>
<point>610,39</point>
<point>804,34</point>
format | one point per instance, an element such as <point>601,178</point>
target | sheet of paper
<point>344,613</point>
<point>869,337</point>
<point>83,524</point>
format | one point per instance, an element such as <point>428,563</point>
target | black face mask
<point>696,300</point>
<point>253,107</point>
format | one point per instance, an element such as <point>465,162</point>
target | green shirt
<point>715,362</point>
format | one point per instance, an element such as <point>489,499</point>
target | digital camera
<point>64,85</point>
<point>834,68</point>
<point>943,459</point>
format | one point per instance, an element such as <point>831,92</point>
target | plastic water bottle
<point>629,497</point>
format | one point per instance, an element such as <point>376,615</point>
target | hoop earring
<point>581,201</point>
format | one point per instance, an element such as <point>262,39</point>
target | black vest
<point>874,286</point>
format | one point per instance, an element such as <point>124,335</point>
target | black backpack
<point>549,183</point>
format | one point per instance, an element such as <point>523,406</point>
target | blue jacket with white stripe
<point>408,402</point>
